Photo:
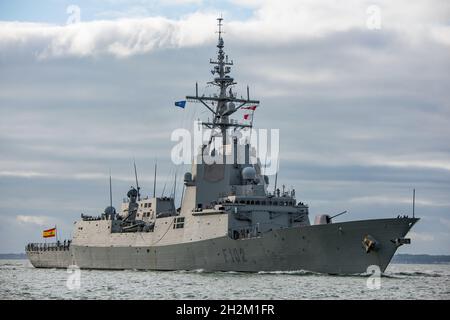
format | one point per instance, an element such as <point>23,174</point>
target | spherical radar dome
<point>249,173</point>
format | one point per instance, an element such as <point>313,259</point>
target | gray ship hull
<point>332,248</point>
<point>50,258</point>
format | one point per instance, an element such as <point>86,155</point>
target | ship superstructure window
<point>178,223</point>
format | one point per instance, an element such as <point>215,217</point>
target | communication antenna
<point>265,165</point>
<point>182,196</point>
<point>137,182</point>
<point>154,180</point>
<point>174,186</point>
<point>275,187</point>
<point>220,25</point>
<point>414,201</point>
<point>110,189</point>
<point>164,189</point>
<point>276,178</point>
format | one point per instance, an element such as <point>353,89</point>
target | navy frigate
<point>228,219</point>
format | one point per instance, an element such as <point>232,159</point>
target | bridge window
<point>257,202</point>
<point>178,223</point>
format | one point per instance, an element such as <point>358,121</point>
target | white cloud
<point>272,22</point>
<point>422,236</point>
<point>121,38</point>
<point>312,18</point>
<point>23,174</point>
<point>96,176</point>
<point>445,222</point>
<point>386,200</point>
<point>37,220</point>
<point>416,161</point>
<point>431,163</point>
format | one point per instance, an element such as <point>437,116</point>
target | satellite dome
<point>249,173</point>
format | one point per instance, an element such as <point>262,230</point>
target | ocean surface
<point>19,280</point>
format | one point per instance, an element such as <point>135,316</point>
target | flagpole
<point>251,125</point>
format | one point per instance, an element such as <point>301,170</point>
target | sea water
<point>20,280</point>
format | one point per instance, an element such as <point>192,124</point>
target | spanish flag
<point>49,233</point>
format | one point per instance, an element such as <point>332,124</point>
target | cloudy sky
<point>359,90</point>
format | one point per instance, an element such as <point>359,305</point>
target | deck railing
<point>54,246</point>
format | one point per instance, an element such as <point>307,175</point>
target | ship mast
<point>223,105</point>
